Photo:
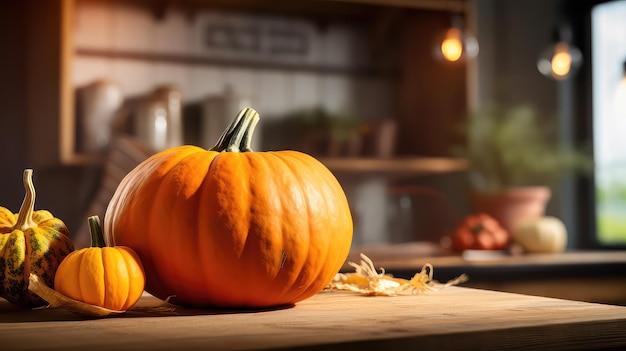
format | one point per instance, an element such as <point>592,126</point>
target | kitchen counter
<point>590,276</point>
<point>452,318</point>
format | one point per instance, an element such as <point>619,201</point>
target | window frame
<point>578,14</point>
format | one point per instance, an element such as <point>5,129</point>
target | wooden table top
<point>453,318</point>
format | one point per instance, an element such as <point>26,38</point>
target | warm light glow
<point>561,61</point>
<point>452,45</point>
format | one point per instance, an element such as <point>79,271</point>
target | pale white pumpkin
<point>542,235</point>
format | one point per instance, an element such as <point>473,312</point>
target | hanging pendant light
<point>455,43</point>
<point>562,59</point>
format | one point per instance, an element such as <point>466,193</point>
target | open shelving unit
<point>54,140</point>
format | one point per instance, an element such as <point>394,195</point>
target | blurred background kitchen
<point>382,92</point>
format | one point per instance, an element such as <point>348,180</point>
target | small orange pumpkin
<point>479,232</point>
<point>30,242</point>
<point>109,277</point>
<point>231,227</point>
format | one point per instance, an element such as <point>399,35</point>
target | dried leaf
<point>56,299</point>
<point>368,281</point>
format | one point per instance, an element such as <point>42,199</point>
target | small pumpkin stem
<point>231,139</point>
<point>25,216</point>
<point>95,231</point>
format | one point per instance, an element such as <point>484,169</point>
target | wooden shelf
<point>435,5</point>
<point>226,62</point>
<point>411,165</point>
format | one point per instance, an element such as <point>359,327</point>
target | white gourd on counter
<point>542,235</point>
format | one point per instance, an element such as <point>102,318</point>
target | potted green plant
<point>515,159</point>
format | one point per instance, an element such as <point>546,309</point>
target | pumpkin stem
<point>25,216</point>
<point>95,231</point>
<point>236,138</point>
<point>247,137</point>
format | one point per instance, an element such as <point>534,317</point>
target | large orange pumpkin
<point>230,227</point>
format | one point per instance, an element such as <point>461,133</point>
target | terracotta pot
<point>514,206</point>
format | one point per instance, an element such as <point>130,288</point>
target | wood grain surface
<point>453,318</point>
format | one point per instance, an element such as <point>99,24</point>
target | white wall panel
<point>93,24</point>
<point>133,28</point>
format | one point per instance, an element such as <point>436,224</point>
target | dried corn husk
<point>368,281</point>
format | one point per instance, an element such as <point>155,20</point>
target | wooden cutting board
<point>453,318</point>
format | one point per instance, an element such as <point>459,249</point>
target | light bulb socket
<point>563,33</point>
<point>457,21</point>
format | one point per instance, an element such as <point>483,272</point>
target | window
<point>608,49</point>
